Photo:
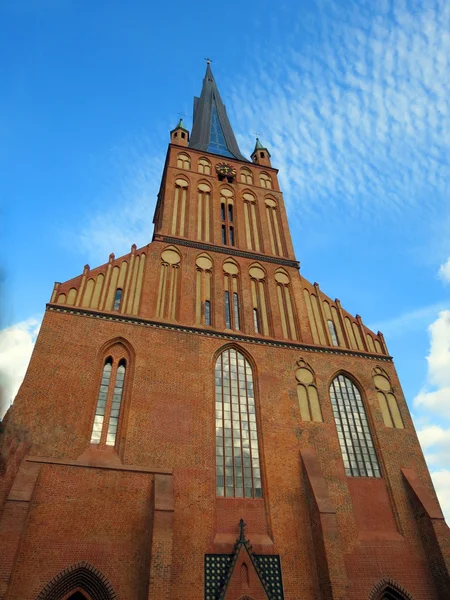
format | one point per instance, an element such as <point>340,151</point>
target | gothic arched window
<point>204,166</point>
<point>109,400</point>
<point>117,299</point>
<point>358,452</point>
<point>231,288</point>
<point>203,212</point>
<point>265,181</point>
<point>227,217</point>
<point>203,287</point>
<point>246,176</point>
<point>238,472</point>
<point>275,235</point>
<point>183,161</point>
<point>258,290</point>
<point>251,222</point>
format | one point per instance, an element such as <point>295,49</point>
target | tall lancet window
<point>203,212</point>
<point>358,452</point>
<point>227,218</point>
<point>251,222</point>
<point>275,235</point>
<point>231,295</point>
<point>179,207</point>
<point>203,293</point>
<point>109,401</point>
<point>258,290</point>
<point>238,472</point>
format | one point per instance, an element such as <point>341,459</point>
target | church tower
<point>200,421</point>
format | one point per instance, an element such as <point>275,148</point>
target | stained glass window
<point>238,472</point>
<point>358,452</point>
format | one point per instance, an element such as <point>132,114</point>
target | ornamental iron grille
<point>219,569</point>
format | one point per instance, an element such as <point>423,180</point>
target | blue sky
<point>352,99</point>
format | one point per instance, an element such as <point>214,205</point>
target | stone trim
<point>212,333</point>
<point>228,250</point>
<point>82,576</point>
<point>93,465</point>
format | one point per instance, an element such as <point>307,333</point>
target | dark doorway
<point>77,596</point>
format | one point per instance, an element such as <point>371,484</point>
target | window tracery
<point>386,398</point>
<point>238,472</point>
<point>355,438</point>
<point>308,398</point>
<point>183,161</point>
<point>231,295</point>
<point>204,265</point>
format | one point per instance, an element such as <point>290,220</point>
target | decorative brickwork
<point>81,576</point>
<point>387,589</point>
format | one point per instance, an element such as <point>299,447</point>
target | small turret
<point>179,135</point>
<point>260,155</point>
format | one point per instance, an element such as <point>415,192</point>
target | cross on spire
<point>208,61</point>
<point>242,525</point>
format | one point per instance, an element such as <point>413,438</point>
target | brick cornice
<point>286,262</point>
<point>82,312</point>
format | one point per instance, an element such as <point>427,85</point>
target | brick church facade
<point>198,421</point>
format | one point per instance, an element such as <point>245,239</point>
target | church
<point>198,421</point>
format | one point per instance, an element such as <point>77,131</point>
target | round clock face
<point>225,169</point>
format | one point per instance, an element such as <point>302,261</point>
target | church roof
<point>211,130</point>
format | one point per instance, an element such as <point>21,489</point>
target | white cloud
<point>357,115</point>
<point>16,346</point>
<point>435,442</point>
<point>444,271</point>
<point>441,480</point>
<point>437,400</point>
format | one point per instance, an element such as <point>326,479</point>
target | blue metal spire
<point>211,129</point>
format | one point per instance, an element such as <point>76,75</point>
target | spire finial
<point>242,525</point>
<point>208,61</point>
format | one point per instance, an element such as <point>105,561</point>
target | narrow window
<point>236,310</point>
<point>231,287</point>
<point>358,452</point>
<point>259,293</point>
<point>101,402</point>
<point>167,303</point>
<point>333,334</point>
<point>227,310</point>
<point>203,290</point>
<point>238,472</point>
<point>207,312</point>
<point>115,407</point>
<point>117,299</point>
<point>107,412</point>
<point>226,214</point>
<point>255,320</point>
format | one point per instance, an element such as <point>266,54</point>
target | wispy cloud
<point>123,213</point>
<point>414,320</point>
<point>359,117</point>
<point>16,346</point>
<point>444,271</point>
